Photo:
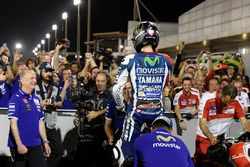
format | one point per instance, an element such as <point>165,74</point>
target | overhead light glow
<point>54,27</point>
<point>42,41</point>
<point>64,15</point>
<point>244,51</point>
<point>244,36</point>
<point>204,42</point>
<point>18,46</point>
<point>77,2</point>
<point>48,35</point>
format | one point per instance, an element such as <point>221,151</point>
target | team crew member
<point>149,72</point>
<point>186,101</point>
<point>216,116</point>
<point>26,125</point>
<point>159,148</point>
<point>114,120</point>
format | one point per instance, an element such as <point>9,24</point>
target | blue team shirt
<point>28,111</point>
<point>112,114</point>
<point>161,149</point>
<point>15,85</point>
<point>5,94</point>
<point>67,104</point>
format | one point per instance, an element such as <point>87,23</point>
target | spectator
<point>242,97</point>
<point>27,126</point>
<point>224,82</point>
<point>16,84</point>
<point>215,119</point>
<point>114,70</point>
<point>246,83</point>
<point>75,69</point>
<point>160,148</point>
<point>149,72</point>
<point>31,63</point>
<point>4,87</point>
<point>231,72</point>
<point>213,85</point>
<point>65,89</point>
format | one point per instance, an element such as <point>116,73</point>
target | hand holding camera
<point>49,102</point>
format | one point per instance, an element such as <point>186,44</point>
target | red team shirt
<point>219,118</point>
<point>186,102</point>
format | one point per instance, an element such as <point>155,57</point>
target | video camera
<point>107,53</point>
<point>80,97</point>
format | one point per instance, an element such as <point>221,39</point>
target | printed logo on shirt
<point>166,142</point>
<point>28,107</point>
<point>12,107</point>
<point>165,139</point>
<point>229,110</point>
<point>212,110</point>
<point>192,101</point>
<point>25,100</point>
<point>36,101</point>
<point>184,102</point>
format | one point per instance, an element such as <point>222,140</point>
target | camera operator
<point>50,100</point>
<point>90,120</point>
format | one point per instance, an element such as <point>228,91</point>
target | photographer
<point>104,58</point>
<point>89,71</point>
<point>5,62</point>
<point>50,100</point>
<point>90,121</point>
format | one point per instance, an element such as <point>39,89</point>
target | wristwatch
<point>45,141</point>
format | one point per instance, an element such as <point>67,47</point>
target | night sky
<point>27,21</point>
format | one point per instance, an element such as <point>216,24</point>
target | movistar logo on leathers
<point>151,62</point>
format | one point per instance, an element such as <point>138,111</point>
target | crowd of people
<point>112,111</point>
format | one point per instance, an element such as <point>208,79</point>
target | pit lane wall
<point>69,132</point>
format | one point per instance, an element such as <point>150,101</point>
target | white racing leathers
<point>149,73</point>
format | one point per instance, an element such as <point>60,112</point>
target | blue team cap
<point>164,118</point>
<point>46,66</point>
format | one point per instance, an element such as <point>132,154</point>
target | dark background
<point>27,21</point>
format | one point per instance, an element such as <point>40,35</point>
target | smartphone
<point>5,45</point>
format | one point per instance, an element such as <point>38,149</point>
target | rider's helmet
<point>240,154</point>
<point>145,33</point>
